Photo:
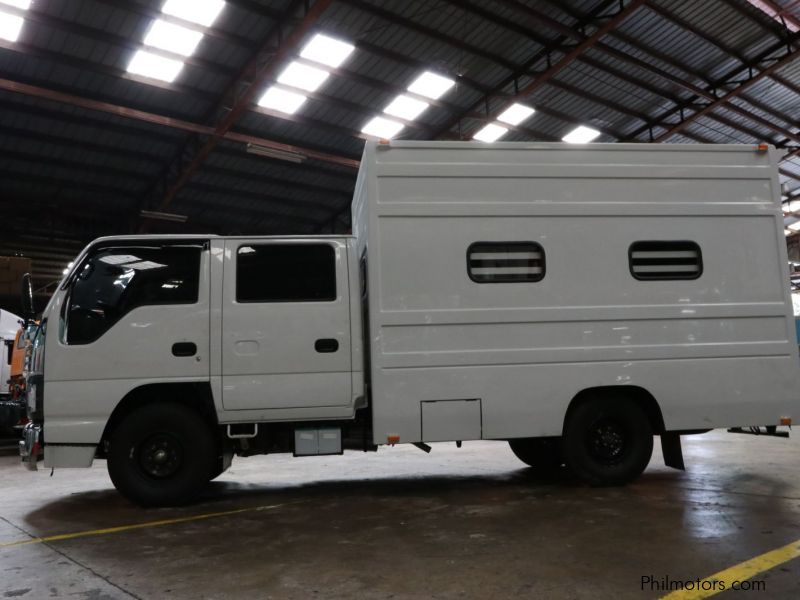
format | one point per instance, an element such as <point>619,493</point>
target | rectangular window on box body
<point>505,262</point>
<point>659,260</point>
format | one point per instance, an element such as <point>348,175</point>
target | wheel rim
<point>607,441</point>
<point>160,456</point>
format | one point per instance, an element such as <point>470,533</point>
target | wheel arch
<point>196,395</point>
<point>638,394</point>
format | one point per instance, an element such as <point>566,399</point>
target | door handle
<point>184,349</point>
<point>326,345</point>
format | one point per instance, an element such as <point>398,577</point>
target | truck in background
<point>11,409</point>
<point>573,301</point>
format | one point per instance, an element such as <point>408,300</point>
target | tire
<point>162,455</point>
<point>608,441</point>
<point>543,454</point>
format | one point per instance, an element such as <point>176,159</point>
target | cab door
<point>285,324</point>
<point>134,312</point>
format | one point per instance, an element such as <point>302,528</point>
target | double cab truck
<point>572,300</point>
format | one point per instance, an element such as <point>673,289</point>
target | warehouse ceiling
<point>126,116</point>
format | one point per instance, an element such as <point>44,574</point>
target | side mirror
<point>29,312</point>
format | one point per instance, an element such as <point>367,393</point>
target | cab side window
<point>114,281</point>
<point>286,273</point>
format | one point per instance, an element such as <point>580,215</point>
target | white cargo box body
<point>714,351</point>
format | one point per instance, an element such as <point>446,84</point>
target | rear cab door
<point>285,340</point>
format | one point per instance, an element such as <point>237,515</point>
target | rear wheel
<point>608,440</point>
<point>162,455</point>
<point>544,454</point>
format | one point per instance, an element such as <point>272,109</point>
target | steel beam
<point>183,125</point>
<point>709,94</point>
<point>522,70</point>
<point>782,62</point>
<point>542,78</point>
<point>253,77</point>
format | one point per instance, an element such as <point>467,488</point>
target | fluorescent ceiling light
<point>515,114</point>
<point>161,216</point>
<point>156,67</point>
<point>794,226</point>
<point>581,135</point>
<point>382,128</point>
<point>10,26</point>
<point>406,107</point>
<point>303,76</point>
<point>202,12</point>
<point>294,157</point>
<point>490,133</point>
<point>327,50</point>
<point>282,100</point>
<point>172,38</point>
<point>431,85</point>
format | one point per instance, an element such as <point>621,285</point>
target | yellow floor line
<point>122,528</point>
<point>724,580</point>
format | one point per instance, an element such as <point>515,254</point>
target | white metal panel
<point>715,351</point>
<point>84,383</point>
<point>447,420</point>
<point>268,351</point>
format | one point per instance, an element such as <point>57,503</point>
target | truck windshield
<point>113,281</point>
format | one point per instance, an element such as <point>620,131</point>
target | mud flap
<point>671,449</point>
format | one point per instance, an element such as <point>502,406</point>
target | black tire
<point>543,454</point>
<point>608,441</point>
<point>161,455</point>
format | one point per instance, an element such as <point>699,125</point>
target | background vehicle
<point>573,300</point>
<point>11,410</point>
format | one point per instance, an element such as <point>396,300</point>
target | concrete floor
<point>468,523</point>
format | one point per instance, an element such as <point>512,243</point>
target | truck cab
<point>241,330</point>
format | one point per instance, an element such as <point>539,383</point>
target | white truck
<point>574,301</point>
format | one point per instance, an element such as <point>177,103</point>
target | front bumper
<point>30,446</point>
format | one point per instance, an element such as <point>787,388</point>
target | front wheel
<point>608,441</point>
<point>161,455</point>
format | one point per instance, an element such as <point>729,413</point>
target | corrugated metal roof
<point>630,83</point>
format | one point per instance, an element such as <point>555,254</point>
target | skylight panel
<point>20,4</point>
<point>10,26</point>
<point>150,65</point>
<point>431,85</point>
<point>282,100</point>
<point>515,114</point>
<point>327,50</point>
<point>172,38</point>
<point>303,76</point>
<point>406,107</point>
<point>202,12</point>
<point>490,133</point>
<point>382,128</point>
<point>581,135</point>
